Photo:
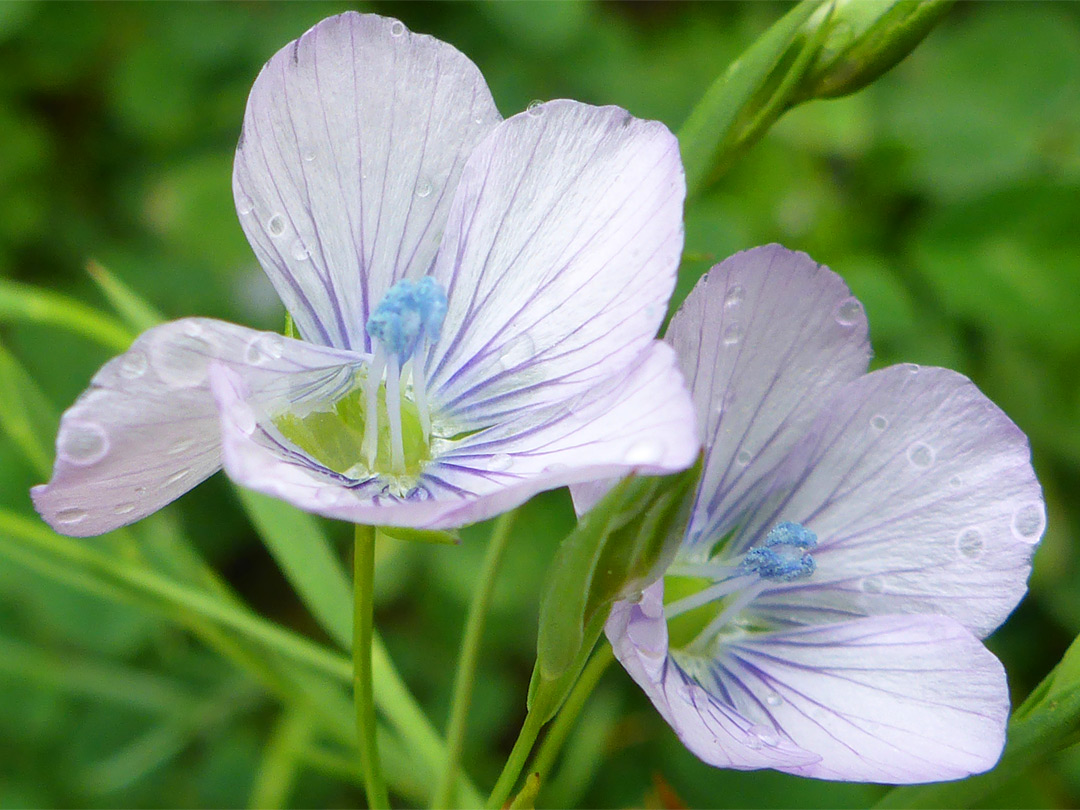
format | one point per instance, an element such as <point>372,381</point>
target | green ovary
<point>335,436</point>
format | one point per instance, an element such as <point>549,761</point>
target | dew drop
<point>71,516</point>
<point>275,226</point>
<point>872,585</point>
<point>182,362</point>
<point>177,477</point>
<point>423,188</point>
<point>921,455</point>
<point>245,421</point>
<point>969,543</point>
<point>124,509</point>
<point>735,296</point>
<point>756,736</point>
<point>499,462</point>
<point>773,699</point>
<point>557,467</point>
<point>913,368</point>
<point>82,443</point>
<point>300,251</point>
<point>264,348</point>
<point>308,155</point>
<point>133,365</point>
<point>519,350</point>
<point>397,28</point>
<point>742,458</point>
<point>648,451</point>
<point>878,422</point>
<point>478,120</point>
<point>849,312</point>
<point>534,108</point>
<point>733,334</point>
<point>1028,522</point>
<point>955,481</point>
<point>244,205</point>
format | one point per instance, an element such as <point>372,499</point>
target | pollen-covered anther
<point>404,324</point>
<point>785,556</point>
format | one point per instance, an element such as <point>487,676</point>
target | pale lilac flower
<point>477,300</point>
<point>854,536</point>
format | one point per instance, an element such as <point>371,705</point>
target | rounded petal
<point>353,141</point>
<point>923,499</point>
<point>894,699</point>
<point>641,420</point>
<point>764,339</point>
<point>559,257</point>
<point>707,724</point>
<point>146,431</point>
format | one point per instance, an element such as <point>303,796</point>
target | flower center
<point>382,426</point>
<point>700,599</point>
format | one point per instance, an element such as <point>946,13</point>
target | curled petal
<point>353,141</point>
<point>559,257</point>
<point>923,498</point>
<point>764,340</point>
<point>146,431</point>
<point>639,420</point>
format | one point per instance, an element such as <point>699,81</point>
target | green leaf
<point>1044,724</point>
<point>25,302</point>
<point>26,415</point>
<point>135,310</point>
<point>422,535</point>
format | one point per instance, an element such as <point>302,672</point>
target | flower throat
<point>374,429</point>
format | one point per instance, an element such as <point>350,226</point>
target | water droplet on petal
<point>183,361</point>
<point>423,188</point>
<point>849,312</point>
<point>872,585</point>
<point>244,205</point>
<point>82,443</point>
<point>300,251</point>
<point>1028,522</point>
<point>124,509</point>
<point>878,422</point>
<point>275,226</point>
<point>177,477</point>
<point>308,155</point>
<point>264,348</point>
<point>735,296</point>
<point>955,481</point>
<point>499,462</point>
<point>742,458</point>
<point>647,451</point>
<point>969,543</point>
<point>773,699</point>
<point>181,446</point>
<point>913,368</point>
<point>557,467</point>
<point>71,516</point>
<point>921,455</point>
<point>245,421</point>
<point>758,735</point>
<point>534,109</point>
<point>397,28</point>
<point>733,334</point>
<point>133,364</point>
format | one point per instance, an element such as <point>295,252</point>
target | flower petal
<point>353,141</point>
<point>146,431</point>
<point>763,340</point>
<point>559,257</point>
<point>706,724</point>
<point>640,420</point>
<point>894,699</point>
<point>923,498</point>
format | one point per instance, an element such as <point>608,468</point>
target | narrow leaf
<point>27,303</point>
<point>136,311</point>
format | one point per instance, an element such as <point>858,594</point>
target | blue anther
<point>407,313</point>
<point>785,556</point>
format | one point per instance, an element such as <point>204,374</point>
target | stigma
<point>402,328</point>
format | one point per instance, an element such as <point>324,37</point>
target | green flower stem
<point>530,729</point>
<point>467,660</point>
<point>363,690</point>
<point>568,714</point>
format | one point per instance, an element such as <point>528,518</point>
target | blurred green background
<point>947,194</point>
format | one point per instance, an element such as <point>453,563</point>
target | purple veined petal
<point>764,339</point>
<point>707,724</point>
<point>353,141</point>
<point>923,499</point>
<point>891,699</point>
<point>559,257</point>
<point>146,430</point>
<point>640,420</point>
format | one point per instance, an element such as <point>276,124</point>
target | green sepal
<point>435,536</point>
<point>618,548</point>
<point>290,327</point>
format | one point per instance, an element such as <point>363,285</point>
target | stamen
<point>371,405</point>
<point>785,555</point>
<point>718,590</point>
<point>403,327</point>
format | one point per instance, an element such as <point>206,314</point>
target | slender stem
<point>363,691</point>
<point>516,762</point>
<point>467,660</point>
<point>568,714</point>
